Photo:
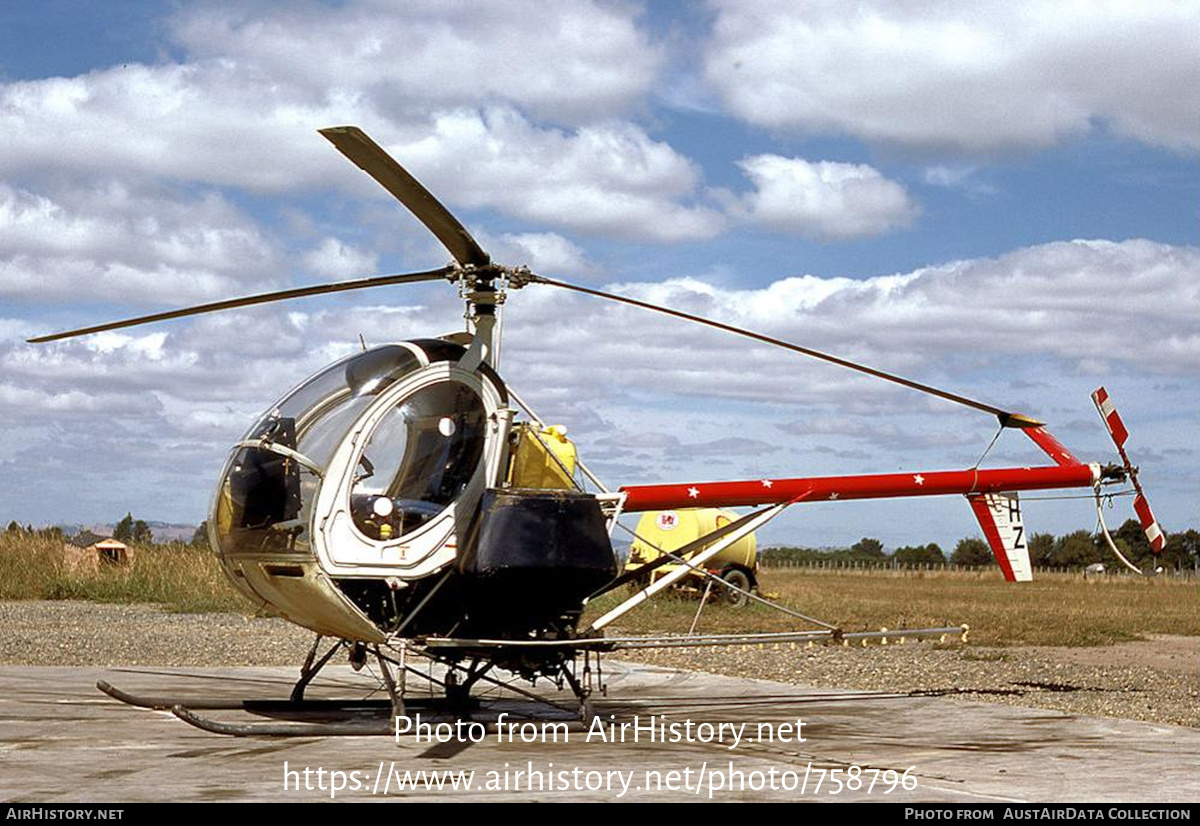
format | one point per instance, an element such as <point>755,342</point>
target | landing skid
<point>168,703</point>
<point>367,719</point>
<point>468,663</point>
<point>301,717</point>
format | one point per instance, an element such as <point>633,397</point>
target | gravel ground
<point>1155,680</point>
<point>1134,681</point>
<point>87,633</point>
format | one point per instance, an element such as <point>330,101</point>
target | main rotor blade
<point>1007,418</point>
<point>262,298</point>
<point>370,158</point>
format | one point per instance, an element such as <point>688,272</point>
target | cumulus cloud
<point>978,77</point>
<point>947,175</point>
<point>116,244</point>
<point>1071,300</point>
<point>610,179</point>
<point>215,124</point>
<point>541,129</point>
<point>651,398</point>
<point>254,81</point>
<point>240,107</point>
<point>825,200</point>
<point>976,327</point>
<point>574,60</point>
<point>955,321</point>
<point>1014,330</point>
<point>334,259</point>
<point>210,122</point>
<point>544,252</point>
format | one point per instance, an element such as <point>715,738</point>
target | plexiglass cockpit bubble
<point>272,478</point>
<point>418,459</point>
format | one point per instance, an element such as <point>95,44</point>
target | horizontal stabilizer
<point>999,515</point>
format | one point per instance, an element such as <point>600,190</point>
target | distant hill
<point>172,531</point>
<point>163,531</point>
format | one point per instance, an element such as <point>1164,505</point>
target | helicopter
<point>405,502</point>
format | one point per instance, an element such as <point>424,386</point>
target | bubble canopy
<point>380,443</point>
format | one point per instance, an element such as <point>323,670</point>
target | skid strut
<point>395,685</point>
<point>311,668</point>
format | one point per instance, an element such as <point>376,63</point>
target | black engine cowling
<point>533,558</point>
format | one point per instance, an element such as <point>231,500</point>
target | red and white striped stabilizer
<point>1119,433</point>
<point>999,515</point>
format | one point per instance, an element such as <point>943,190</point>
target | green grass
<point>179,577</point>
<point>1054,609</point>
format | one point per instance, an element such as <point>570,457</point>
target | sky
<point>998,198</point>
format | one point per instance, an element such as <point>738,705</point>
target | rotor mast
<point>482,288</point>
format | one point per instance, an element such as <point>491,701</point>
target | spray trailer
<point>661,533</point>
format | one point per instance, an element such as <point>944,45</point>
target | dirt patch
<point>1161,652</point>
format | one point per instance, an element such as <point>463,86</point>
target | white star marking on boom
<point>833,495</point>
<point>693,492</point>
<point>919,479</point>
<point>766,483</point>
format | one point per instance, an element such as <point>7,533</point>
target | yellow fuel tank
<point>671,530</point>
<point>542,459</point>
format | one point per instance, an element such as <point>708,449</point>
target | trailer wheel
<point>738,579</point>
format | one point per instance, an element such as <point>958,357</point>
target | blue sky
<point>1000,198</point>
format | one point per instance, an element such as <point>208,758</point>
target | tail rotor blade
<point>1154,533</point>
<point>262,298</point>
<point>1112,419</point>
<point>1116,429</point>
<point>372,159</point>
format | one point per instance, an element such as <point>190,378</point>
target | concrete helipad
<point>63,741</point>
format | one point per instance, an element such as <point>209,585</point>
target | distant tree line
<point>15,529</point>
<point>1072,550</point>
<point>129,530</point>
